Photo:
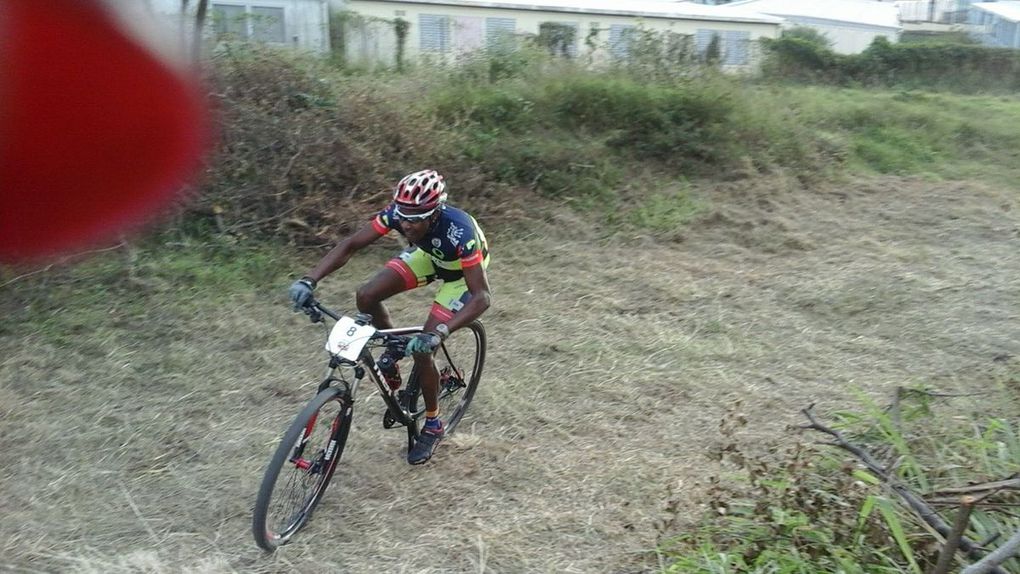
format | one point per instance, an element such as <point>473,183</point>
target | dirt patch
<point>612,364</point>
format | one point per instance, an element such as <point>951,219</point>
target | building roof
<point>634,8</point>
<point>859,12</point>
<point>1010,10</point>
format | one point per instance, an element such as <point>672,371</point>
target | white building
<point>851,25</point>
<point>443,29</point>
<point>302,24</point>
<point>996,23</point>
<point>937,11</point>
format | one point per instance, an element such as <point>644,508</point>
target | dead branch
<point>1011,483</point>
<point>991,562</point>
<point>62,261</point>
<point>916,503</point>
<point>948,551</point>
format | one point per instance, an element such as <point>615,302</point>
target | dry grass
<point>137,445</point>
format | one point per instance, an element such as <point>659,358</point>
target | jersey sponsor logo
<point>454,234</point>
<point>436,242</point>
<point>469,245</point>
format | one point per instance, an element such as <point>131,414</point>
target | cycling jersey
<point>453,242</point>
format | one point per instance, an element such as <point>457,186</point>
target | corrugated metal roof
<point>638,8</point>
<point>860,12</point>
<point>1008,10</point>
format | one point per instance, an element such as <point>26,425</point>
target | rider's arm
<point>478,285</point>
<point>339,255</point>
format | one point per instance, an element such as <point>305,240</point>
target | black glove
<point>301,292</point>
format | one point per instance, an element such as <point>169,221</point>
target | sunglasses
<point>413,217</point>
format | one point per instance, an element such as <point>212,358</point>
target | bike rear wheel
<point>460,361</point>
<point>301,468</point>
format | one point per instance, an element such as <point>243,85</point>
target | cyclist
<point>445,243</point>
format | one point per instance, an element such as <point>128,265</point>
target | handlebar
<point>315,310</point>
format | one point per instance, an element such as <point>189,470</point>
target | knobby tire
<point>317,455</point>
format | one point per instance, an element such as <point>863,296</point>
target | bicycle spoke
<point>298,476</point>
<point>459,362</point>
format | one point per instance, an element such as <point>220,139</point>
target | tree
<point>200,14</point>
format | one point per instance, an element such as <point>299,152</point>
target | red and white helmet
<point>423,189</point>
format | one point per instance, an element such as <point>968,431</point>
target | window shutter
<point>735,46</point>
<point>619,40</point>
<point>702,39</point>
<point>230,21</point>
<point>435,33</point>
<point>268,24</point>
<point>499,31</point>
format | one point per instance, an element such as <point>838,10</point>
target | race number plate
<point>347,338</point>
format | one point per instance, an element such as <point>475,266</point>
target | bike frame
<point>366,364</point>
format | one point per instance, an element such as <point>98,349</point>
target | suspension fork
<point>306,434</point>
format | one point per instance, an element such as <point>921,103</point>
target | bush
<point>820,511</point>
<point>951,66</point>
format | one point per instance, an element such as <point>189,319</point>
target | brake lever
<point>314,314</point>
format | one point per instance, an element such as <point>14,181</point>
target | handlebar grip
<point>313,312</point>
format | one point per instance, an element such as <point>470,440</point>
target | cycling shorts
<point>415,266</point>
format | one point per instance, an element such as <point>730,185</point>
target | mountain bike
<point>308,454</point>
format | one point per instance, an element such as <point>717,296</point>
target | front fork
<point>312,466</point>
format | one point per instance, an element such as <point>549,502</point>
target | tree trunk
<point>200,14</point>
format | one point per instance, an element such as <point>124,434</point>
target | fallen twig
<point>948,551</point>
<point>1011,483</point>
<point>991,562</point>
<point>62,260</point>
<point>916,503</point>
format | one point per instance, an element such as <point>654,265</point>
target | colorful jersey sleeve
<point>470,253</point>
<point>384,221</point>
<point>467,238</point>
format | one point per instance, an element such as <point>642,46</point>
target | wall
<point>305,22</point>
<point>846,38</point>
<point>994,30</point>
<point>370,38</point>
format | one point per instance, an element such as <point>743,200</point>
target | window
<point>260,23</point>
<point>619,40</point>
<point>735,48</point>
<point>729,47</point>
<point>435,33</point>
<point>267,25</point>
<point>559,37</point>
<point>499,32</point>
<point>229,21</point>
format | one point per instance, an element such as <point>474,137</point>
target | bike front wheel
<point>301,468</point>
<point>459,360</point>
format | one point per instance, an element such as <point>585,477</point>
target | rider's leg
<point>370,296</point>
<point>428,375</point>
<point>409,270</point>
<point>450,298</point>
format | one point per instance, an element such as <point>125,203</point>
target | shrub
<point>951,66</point>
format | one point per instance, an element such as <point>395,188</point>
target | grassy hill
<point>681,264</point>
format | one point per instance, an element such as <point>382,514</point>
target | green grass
<point>130,286</point>
<point>949,136</point>
<point>814,512</point>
